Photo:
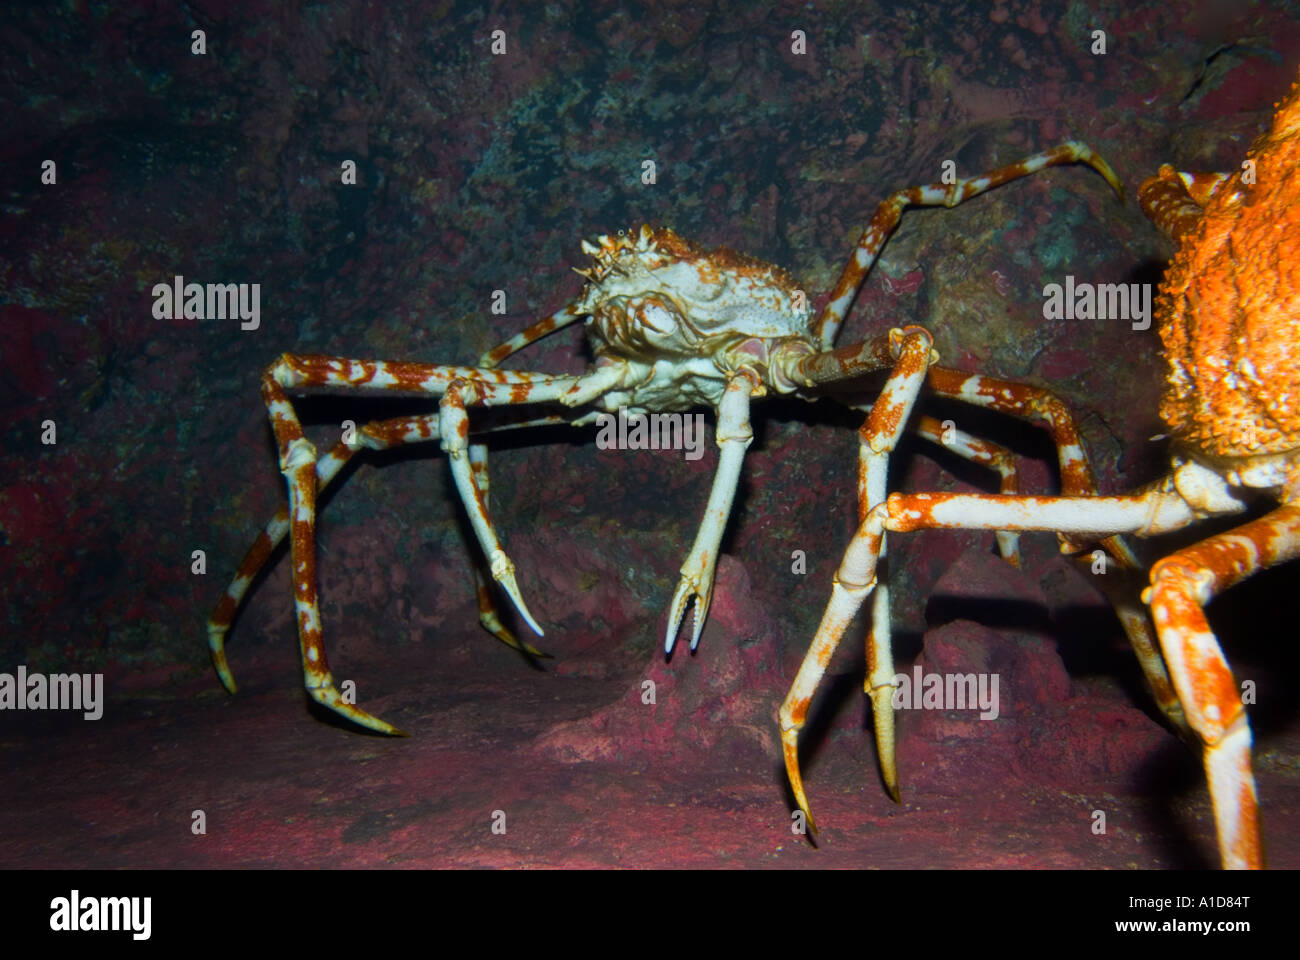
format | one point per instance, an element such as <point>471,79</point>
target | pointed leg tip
<point>381,726</point>
<point>524,612</point>
<point>675,613</point>
<point>223,671</point>
<point>504,574</point>
<point>331,699</point>
<point>498,630</point>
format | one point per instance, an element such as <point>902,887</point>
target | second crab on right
<point>1229,319</point>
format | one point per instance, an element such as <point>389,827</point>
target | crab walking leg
<point>488,615</point>
<point>1017,399</point>
<point>890,211</point>
<point>985,453</point>
<point>1122,584</point>
<point>733,436</point>
<point>1077,479</point>
<point>878,436</point>
<point>453,424</point>
<point>1028,403</point>
<point>547,325</point>
<point>1156,511</point>
<point>1181,585</point>
<point>491,387</point>
<point>298,464</point>
<point>877,439</point>
<point>1174,200</point>
<point>879,682</point>
<point>377,435</point>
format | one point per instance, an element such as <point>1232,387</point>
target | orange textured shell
<point>1229,307</point>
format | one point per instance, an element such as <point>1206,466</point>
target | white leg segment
<point>734,436</point>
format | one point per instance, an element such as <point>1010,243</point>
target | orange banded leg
<point>985,453</point>
<point>1028,403</point>
<point>889,212</point>
<point>1015,399</point>
<point>298,464</point>
<point>1077,479</point>
<point>547,325</point>
<point>877,437</point>
<point>1174,201</point>
<point>879,682</point>
<point>1154,511</point>
<point>378,435</point>
<point>1181,585</point>
<point>492,387</point>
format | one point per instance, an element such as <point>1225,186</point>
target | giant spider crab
<point>1229,314</point>
<point>672,326</point>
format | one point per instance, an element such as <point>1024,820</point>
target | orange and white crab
<point>1229,312</point>
<point>672,326</point>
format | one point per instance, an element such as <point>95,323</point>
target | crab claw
<point>695,586</point>
<point>733,436</point>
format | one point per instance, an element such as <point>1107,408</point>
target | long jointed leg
<point>1020,400</point>
<point>879,683</point>
<point>877,439</point>
<point>488,615</point>
<point>547,325</point>
<point>1181,585</point>
<point>454,426</point>
<point>879,435</point>
<point>1034,403</point>
<point>298,464</point>
<point>734,435</point>
<point>1028,403</point>
<point>985,453</point>
<point>378,435</point>
<point>888,213</point>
